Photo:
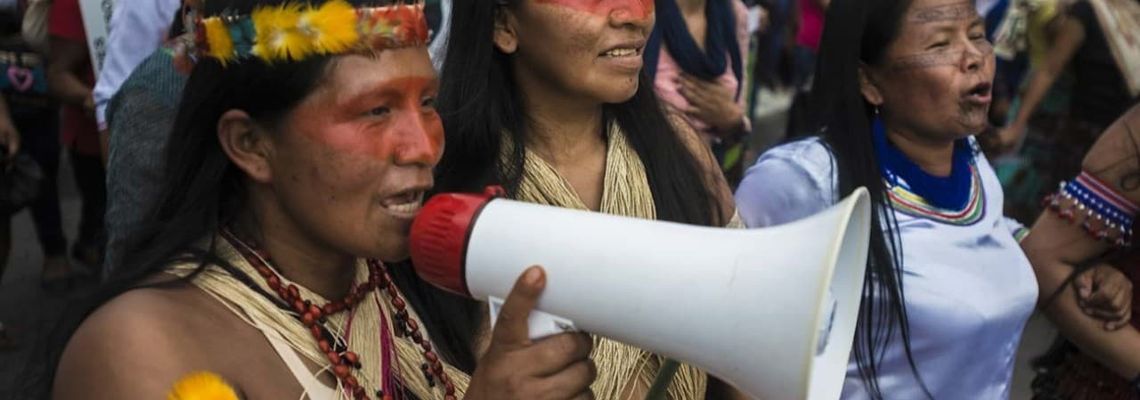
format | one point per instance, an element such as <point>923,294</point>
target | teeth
<point>406,208</point>
<point>410,204</point>
<point>620,53</point>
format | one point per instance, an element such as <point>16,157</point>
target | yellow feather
<point>278,36</point>
<point>219,40</point>
<point>202,386</point>
<point>333,26</point>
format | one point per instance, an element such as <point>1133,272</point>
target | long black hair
<point>479,101</point>
<point>202,189</point>
<point>858,32</point>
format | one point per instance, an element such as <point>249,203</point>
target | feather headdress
<point>292,32</point>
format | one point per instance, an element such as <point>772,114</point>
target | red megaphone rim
<point>440,235</point>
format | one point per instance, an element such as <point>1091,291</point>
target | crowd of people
<point>249,171</point>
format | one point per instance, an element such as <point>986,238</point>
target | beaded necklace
<point>336,347</point>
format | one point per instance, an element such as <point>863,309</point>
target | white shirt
<point>137,29</point>
<point>969,287</point>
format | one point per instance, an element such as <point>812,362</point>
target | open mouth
<point>406,203</point>
<point>980,93</point>
<point>622,52</point>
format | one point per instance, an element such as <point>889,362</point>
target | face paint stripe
<point>637,9</point>
<point>940,59</point>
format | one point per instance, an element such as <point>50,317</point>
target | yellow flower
<point>202,386</point>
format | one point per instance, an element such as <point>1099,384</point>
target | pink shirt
<point>668,72</point>
<point>811,24</point>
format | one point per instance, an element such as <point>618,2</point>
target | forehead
<point>350,74</point>
<point>934,11</point>
<point>926,18</point>
<point>603,6</point>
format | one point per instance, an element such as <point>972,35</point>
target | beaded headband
<point>292,32</point>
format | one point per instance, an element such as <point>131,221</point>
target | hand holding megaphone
<point>557,367</point>
<point>770,311</point>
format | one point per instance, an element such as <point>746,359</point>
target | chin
<point>393,250</point>
<point>616,91</point>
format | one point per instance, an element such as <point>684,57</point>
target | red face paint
<point>386,121</point>
<point>637,9</point>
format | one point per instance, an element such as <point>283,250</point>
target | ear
<point>868,86</point>
<point>246,145</point>
<point>506,31</point>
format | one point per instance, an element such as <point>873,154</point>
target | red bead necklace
<point>336,349</point>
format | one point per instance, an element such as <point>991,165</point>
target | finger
<point>693,88</point>
<point>1122,322</point>
<point>1123,302</point>
<point>559,351</point>
<point>511,327</point>
<point>693,111</point>
<point>1102,298</point>
<point>571,381</point>
<point>688,90</point>
<point>1103,304</point>
<point>1106,315</point>
<point>1083,284</point>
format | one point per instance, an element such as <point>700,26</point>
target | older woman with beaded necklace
<point>304,143</point>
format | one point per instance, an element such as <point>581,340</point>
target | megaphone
<point>770,311</point>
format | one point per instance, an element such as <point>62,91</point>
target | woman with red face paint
<point>547,98</point>
<point>272,260</point>
<point>900,88</point>
<point>696,57</point>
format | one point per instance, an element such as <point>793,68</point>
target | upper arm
<point>123,351</point>
<point>68,40</point>
<point>1069,38</point>
<point>777,191</point>
<point>1055,245</point>
<point>66,55</point>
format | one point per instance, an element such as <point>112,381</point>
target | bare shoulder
<point>135,346</point>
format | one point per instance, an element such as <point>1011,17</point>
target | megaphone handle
<point>540,324</point>
<point>660,387</point>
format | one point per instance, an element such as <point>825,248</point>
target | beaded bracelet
<point>1107,216</point>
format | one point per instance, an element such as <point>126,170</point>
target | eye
<point>938,45</point>
<point>379,111</point>
<point>428,103</point>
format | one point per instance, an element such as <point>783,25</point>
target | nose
<point>976,56</point>
<point>638,13</point>
<point>420,140</point>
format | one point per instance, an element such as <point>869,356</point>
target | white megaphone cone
<point>770,311</point>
